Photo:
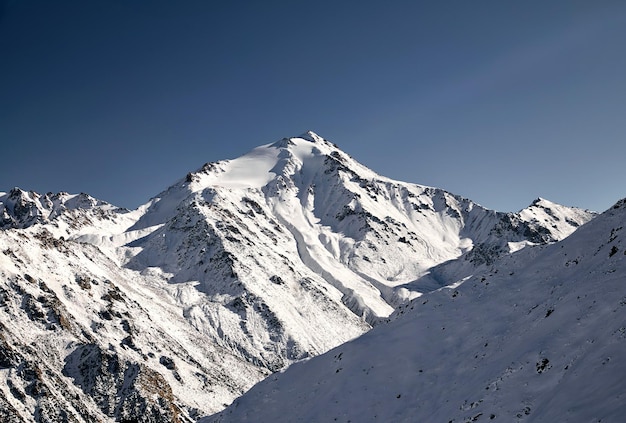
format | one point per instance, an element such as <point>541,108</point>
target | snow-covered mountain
<point>63,213</point>
<point>171,311</point>
<point>538,337</point>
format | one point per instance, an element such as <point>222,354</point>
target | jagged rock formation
<point>20,209</point>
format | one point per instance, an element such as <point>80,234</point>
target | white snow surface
<point>238,270</point>
<point>540,336</point>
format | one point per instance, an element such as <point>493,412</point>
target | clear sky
<point>497,101</point>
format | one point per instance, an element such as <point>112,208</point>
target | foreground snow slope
<point>539,337</point>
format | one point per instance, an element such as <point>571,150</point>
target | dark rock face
<point>32,381</point>
<point>42,392</point>
<point>123,390</point>
<point>18,210</point>
<point>8,413</point>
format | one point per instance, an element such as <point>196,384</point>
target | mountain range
<point>243,267</point>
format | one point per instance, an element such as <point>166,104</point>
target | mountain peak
<point>308,136</point>
<point>542,202</point>
<point>311,136</point>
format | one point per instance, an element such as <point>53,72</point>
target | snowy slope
<point>234,272</point>
<point>539,337</point>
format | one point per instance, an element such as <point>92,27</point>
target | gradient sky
<point>498,101</point>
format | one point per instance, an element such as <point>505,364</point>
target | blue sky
<point>500,102</point>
